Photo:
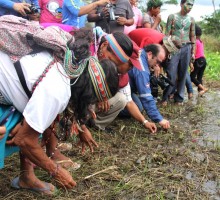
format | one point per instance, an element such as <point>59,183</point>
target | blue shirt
<point>70,13</point>
<point>140,83</point>
<point>6,6</point>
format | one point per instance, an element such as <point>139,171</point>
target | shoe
<point>15,185</point>
<point>73,165</point>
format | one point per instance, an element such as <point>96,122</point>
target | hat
<point>172,44</point>
<point>135,56</point>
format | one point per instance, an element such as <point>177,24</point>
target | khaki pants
<point>117,104</point>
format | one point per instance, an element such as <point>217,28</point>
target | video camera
<point>33,9</point>
<point>112,16</point>
<point>162,81</point>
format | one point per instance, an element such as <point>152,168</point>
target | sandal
<point>72,167</point>
<point>45,190</point>
<point>64,146</point>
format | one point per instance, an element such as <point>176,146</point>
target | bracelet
<point>144,122</point>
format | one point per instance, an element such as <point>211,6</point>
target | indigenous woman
<point>60,83</point>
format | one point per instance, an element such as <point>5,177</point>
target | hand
<point>191,67</point>
<point>86,138</point>
<point>64,178</point>
<point>2,132</point>
<point>105,13</point>
<point>158,18</point>
<point>151,126</point>
<point>165,124</point>
<point>103,106</point>
<point>156,70</point>
<point>102,2</point>
<point>21,8</point>
<point>13,132</point>
<point>122,20</point>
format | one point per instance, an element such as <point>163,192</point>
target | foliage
<point>212,70</point>
<point>211,25</point>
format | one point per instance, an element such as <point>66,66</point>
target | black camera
<point>110,7</point>
<point>33,9</point>
<point>162,81</point>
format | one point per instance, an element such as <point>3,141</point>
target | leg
<point>28,180</point>
<point>182,70</point>
<point>27,139</point>
<point>189,86</point>
<point>171,70</point>
<point>117,103</point>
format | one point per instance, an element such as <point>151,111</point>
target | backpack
<point>19,37</point>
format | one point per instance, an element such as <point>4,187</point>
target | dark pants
<point>199,68</point>
<point>176,70</point>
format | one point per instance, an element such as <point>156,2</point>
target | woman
<point>51,96</point>
<point>152,18</point>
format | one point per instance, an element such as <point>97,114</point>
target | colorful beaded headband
<point>116,48</point>
<point>97,76</point>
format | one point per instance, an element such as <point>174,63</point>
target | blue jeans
<point>135,98</point>
<point>188,83</point>
<point>176,69</point>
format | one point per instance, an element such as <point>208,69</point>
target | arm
<point>94,16</point>
<point>136,114</point>
<point>2,131</point>
<point>148,24</point>
<point>192,38</point>
<point>27,139</point>
<point>142,81</point>
<point>170,25</point>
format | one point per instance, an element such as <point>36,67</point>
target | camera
<point>33,9</point>
<point>162,81</point>
<point>110,7</point>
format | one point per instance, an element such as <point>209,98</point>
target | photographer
<point>112,17</point>
<point>28,9</point>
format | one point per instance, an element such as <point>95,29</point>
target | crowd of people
<point>115,69</point>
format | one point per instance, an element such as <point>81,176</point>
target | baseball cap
<point>135,55</point>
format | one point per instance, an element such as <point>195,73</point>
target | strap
<point>22,79</point>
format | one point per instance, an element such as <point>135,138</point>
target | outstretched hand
<point>151,126</point>
<point>165,124</point>
<point>86,139</point>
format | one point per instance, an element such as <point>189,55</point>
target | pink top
<point>137,20</point>
<point>199,49</point>
<point>51,11</point>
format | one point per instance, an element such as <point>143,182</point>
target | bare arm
<point>136,114</point>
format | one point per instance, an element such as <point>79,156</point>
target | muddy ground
<point>181,163</point>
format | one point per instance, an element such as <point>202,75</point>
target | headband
<point>97,76</point>
<point>116,48</point>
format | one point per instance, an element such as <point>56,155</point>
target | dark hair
<point>123,40</point>
<point>83,93</point>
<point>83,38</point>
<point>198,30</point>
<point>182,1</point>
<point>154,48</point>
<point>154,4</point>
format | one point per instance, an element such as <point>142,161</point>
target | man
<point>19,8</point>
<point>139,79</point>
<point>113,17</point>
<point>182,26</point>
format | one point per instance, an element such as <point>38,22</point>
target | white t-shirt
<point>126,90</point>
<point>50,97</point>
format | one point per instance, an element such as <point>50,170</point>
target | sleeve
<point>72,6</point>
<point>7,4</point>
<point>142,81</point>
<point>129,12</point>
<point>36,3</point>
<point>127,92</point>
<point>146,19</point>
